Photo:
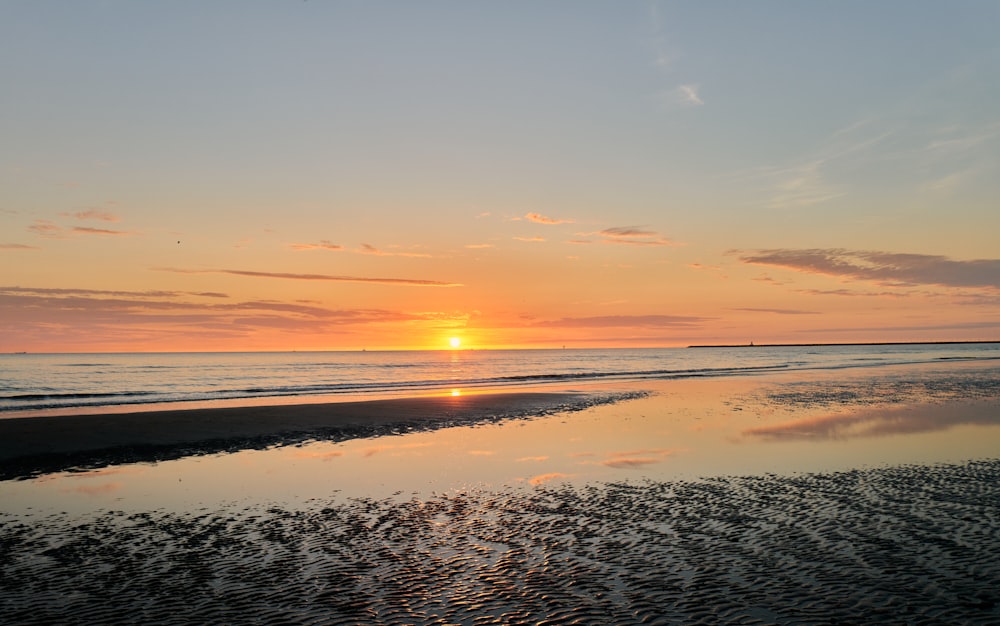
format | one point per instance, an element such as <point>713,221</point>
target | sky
<point>342,175</point>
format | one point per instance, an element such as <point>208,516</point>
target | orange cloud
<point>370,249</point>
<point>86,230</point>
<point>625,321</point>
<point>46,228</point>
<point>322,245</point>
<point>95,214</point>
<point>630,462</point>
<point>541,219</point>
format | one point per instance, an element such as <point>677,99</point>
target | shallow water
<point>782,424</point>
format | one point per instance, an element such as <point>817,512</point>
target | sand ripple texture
<point>908,545</point>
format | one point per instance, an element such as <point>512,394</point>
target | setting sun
<point>455,342</point>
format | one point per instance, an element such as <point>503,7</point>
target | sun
<point>455,342</point>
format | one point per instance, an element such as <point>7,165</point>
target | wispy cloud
<point>479,246</point>
<point>63,291</point>
<point>542,219</point>
<point>322,245</point>
<point>689,95</point>
<point>52,230</point>
<point>409,282</point>
<point>530,239</point>
<point>627,235</point>
<point>370,249</point>
<point>776,311</point>
<point>17,246</point>
<point>86,230</point>
<point>95,214</point>
<point>882,267</point>
<point>624,321</point>
<point>46,228</point>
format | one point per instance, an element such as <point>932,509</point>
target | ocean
<point>85,382</point>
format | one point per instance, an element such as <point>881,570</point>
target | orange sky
<point>388,176</point>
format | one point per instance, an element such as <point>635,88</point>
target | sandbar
<point>33,445</point>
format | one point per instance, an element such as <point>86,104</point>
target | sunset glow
<point>536,175</point>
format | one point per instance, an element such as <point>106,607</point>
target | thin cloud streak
<point>322,245</point>
<point>542,219</point>
<point>408,282</point>
<point>776,311</point>
<point>624,321</point>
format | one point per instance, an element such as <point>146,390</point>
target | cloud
<point>322,245</point>
<point>628,463</point>
<point>882,267</point>
<point>51,230</point>
<point>776,311</point>
<point>78,315</point>
<point>688,94</point>
<point>801,186</point>
<point>525,459</point>
<point>17,246</point>
<point>631,235</point>
<point>479,246</point>
<point>46,228</point>
<point>370,249</point>
<point>541,219</point>
<point>86,230</point>
<point>62,291</point>
<point>95,214</point>
<point>530,239</point>
<point>408,282</point>
<point>622,321</point>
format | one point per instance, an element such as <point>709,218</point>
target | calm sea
<point>84,381</point>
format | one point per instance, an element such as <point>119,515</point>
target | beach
<point>803,498</point>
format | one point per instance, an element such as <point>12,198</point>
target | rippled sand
<point>913,545</point>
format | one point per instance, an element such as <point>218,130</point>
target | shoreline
<point>30,446</point>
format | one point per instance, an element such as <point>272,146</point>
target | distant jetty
<point>861,343</point>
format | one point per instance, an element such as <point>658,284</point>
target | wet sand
<point>34,445</point>
<point>913,544</point>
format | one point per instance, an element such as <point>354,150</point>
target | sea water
<point>85,382</point>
